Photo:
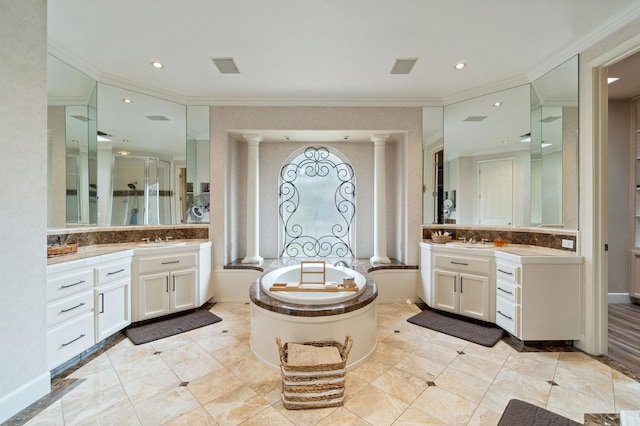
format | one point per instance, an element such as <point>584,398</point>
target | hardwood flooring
<point>624,334</point>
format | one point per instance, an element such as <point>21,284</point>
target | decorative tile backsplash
<point>543,238</point>
<point>114,235</point>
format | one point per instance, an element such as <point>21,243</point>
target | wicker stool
<point>313,373</point>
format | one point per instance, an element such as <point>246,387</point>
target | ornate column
<point>253,200</point>
<point>379,201</point>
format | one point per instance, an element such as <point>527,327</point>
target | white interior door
<point>495,192</point>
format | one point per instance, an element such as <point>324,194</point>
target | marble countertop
<point>135,248</point>
<point>522,253</point>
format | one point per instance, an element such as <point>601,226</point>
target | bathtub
<point>333,274</point>
<point>296,316</point>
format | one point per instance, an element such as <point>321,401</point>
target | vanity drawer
<point>65,309</point>
<point>464,264</point>
<point>69,339</point>
<point>506,315</point>
<point>167,263</point>
<point>111,272</point>
<point>507,291</point>
<point>67,283</point>
<point>509,273</point>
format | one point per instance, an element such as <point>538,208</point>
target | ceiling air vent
<point>226,65</point>
<point>157,117</point>
<point>475,118</point>
<point>403,66</point>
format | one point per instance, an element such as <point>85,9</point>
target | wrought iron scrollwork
<point>336,241</point>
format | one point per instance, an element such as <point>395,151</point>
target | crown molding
<point>486,90</point>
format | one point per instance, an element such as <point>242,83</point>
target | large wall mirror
<point>509,158</point>
<point>71,146</point>
<point>118,157</point>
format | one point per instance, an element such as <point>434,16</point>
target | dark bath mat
<point>170,327</point>
<point>485,335</point>
<point>524,414</point>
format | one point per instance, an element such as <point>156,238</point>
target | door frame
<point>594,175</point>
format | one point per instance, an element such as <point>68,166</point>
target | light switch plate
<point>567,244</point>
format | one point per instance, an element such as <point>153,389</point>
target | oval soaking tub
<point>307,316</point>
<point>291,275</point>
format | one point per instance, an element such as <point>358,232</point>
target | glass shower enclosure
<point>141,191</point>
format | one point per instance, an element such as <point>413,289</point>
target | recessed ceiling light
<point>612,80</point>
<point>157,64</point>
<point>460,65</point>
<point>125,140</point>
<point>505,141</point>
<point>497,104</point>
<point>127,101</point>
<point>346,137</point>
<point>287,137</point>
<point>123,152</point>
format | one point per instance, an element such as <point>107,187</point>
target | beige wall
<point>228,170</point>
<point>24,376</point>
<point>620,232</point>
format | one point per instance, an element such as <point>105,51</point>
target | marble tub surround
<point>361,265</point>
<point>542,237</point>
<point>265,301</point>
<point>125,234</point>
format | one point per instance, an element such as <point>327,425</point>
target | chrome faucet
<point>158,239</point>
<point>472,240</point>
<point>341,262</point>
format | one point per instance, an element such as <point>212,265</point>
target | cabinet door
<point>154,295</point>
<point>445,290</point>
<point>183,290</point>
<point>113,309</point>
<point>474,296</point>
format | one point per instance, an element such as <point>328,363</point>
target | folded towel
<point>312,355</point>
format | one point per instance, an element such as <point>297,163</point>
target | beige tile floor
<point>417,376</point>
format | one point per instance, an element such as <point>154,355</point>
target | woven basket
<point>441,239</point>
<point>313,386</point>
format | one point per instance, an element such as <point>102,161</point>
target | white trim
<point>619,298</point>
<point>25,395</point>
<point>593,193</point>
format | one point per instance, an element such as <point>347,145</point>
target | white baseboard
<point>619,298</point>
<point>19,399</point>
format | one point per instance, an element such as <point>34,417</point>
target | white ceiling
<point>325,52</point>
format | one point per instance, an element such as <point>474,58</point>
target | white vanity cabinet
<point>112,297</point>
<point>539,298</point>
<point>460,284</point>
<point>166,282</point>
<point>70,319</point>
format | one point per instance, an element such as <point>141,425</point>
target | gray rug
<point>170,327</point>
<point>485,335</point>
<point>522,413</point>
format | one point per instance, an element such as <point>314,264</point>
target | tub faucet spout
<point>341,262</point>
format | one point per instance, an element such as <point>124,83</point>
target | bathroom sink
<point>162,244</point>
<point>471,245</point>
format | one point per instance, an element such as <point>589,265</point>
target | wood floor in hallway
<point>624,334</point>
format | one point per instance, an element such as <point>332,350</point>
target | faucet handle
<point>147,240</point>
<point>484,240</point>
<point>463,239</point>
<point>168,238</point>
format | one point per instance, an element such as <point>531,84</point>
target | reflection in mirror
<point>554,147</point>
<point>195,206</point>
<point>141,142</point>
<point>432,160</point>
<point>71,146</point>
<point>487,165</point>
